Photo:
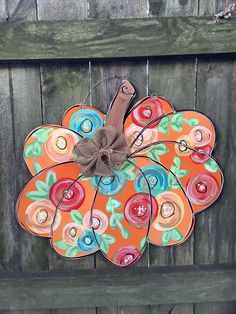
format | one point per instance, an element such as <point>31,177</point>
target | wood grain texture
<point>21,95</point>
<point>173,7</point>
<point>207,84</point>
<point>216,98</point>
<point>63,85</point>
<point>136,71</point>
<point>21,111</point>
<point>216,78</point>
<point>130,286</point>
<point>99,39</point>
<point>123,9</point>
<point>174,78</point>
<point>61,9</point>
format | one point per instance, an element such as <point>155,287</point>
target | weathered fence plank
<point>63,85</point>
<point>132,286</point>
<point>116,38</point>
<point>206,84</point>
<point>167,77</point>
<point>102,95</point>
<point>20,112</point>
<point>216,81</point>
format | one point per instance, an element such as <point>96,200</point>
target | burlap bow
<point>99,155</point>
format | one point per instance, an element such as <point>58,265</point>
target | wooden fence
<point>173,49</point>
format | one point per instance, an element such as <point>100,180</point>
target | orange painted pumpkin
<point>168,177</point>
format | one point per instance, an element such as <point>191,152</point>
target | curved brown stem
<point>120,104</point>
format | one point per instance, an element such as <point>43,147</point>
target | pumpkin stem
<point>120,104</point>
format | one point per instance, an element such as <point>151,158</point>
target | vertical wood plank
<point>21,95</point>
<point>216,97</point>
<point>26,109</point>
<point>117,9</point>
<point>173,7</point>
<point>62,9</point>
<point>63,85</point>
<point>20,113</point>
<point>216,308</point>
<point>103,94</point>
<point>174,78</point>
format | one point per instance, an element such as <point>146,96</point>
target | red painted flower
<point>167,177</point>
<point>67,194</point>
<point>138,209</point>
<point>125,256</point>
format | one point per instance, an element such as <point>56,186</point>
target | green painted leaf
<point>192,122</point>
<point>37,195</point>
<point>160,149</point>
<point>72,251</point>
<point>163,125</point>
<point>175,170</point>
<point>166,236</point>
<point>104,246</point>
<point>211,165</point>
<point>177,118</point>
<point>128,169</point>
<point>29,151</point>
<point>76,216</point>
<point>164,122</point>
<point>37,149</point>
<point>112,204</point>
<point>42,134</point>
<point>37,168</point>
<point>172,182</point>
<point>176,127</point>
<point>51,178</point>
<point>176,235</point>
<point>126,166</point>
<point>151,154</point>
<point>177,161</point>
<point>108,238</point>
<point>113,221</point>
<point>42,186</point>
<point>119,216</point>
<point>157,150</point>
<point>62,245</point>
<point>130,175</point>
<point>170,179</point>
<point>183,173</point>
<point>176,185</point>
<point>125,233</point>
<point>142,243</point>
<point>162,130</point>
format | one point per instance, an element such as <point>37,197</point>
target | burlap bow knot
<point>99,155</point>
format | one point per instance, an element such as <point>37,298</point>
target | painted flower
<point>125,256</point>
<point>97,220</point>
<point>67,194</point>
<point>60,145</point>
<point>139,208</point>
<point>88,242</point>
<point>167,177</point>
<point>39,216</point>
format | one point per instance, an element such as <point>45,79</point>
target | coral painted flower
<point>114,184</point>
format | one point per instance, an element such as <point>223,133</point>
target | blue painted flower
<point>85,122</point>
<point>87,241</point>
<point>156,177</point>
<point>110,185</point>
